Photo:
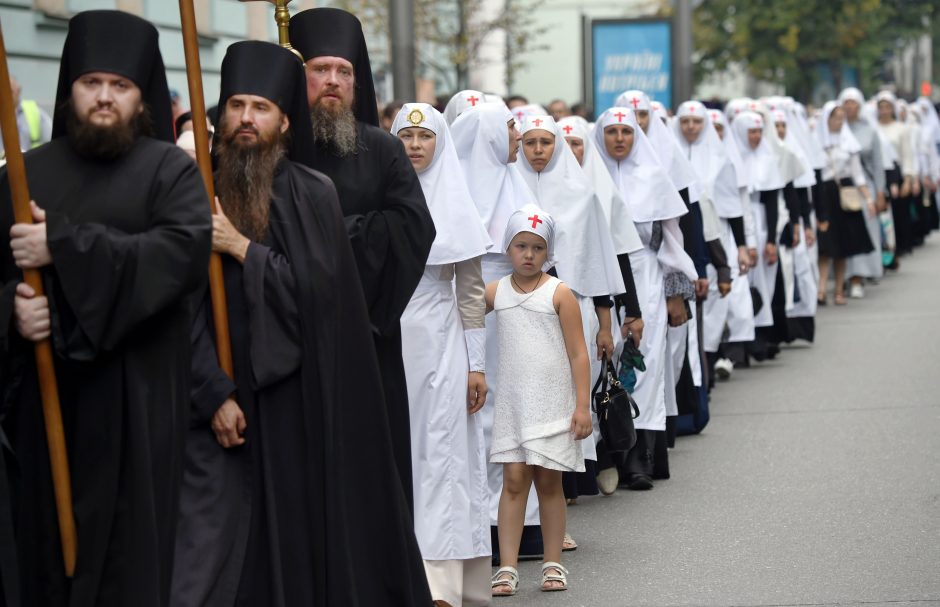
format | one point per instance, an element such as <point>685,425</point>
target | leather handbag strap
<point>602,377</point>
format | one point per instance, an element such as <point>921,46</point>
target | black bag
<point>615,410</point>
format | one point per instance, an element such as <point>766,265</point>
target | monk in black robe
<point>387,218</point>
<point>123,242</point>
<point>294,454</point>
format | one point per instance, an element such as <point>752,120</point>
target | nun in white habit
<point>443,349</point>
<point>716,174</point>
<point>798,255</point>
<point>487,143</point>
<point>842,233</point>
<point>662,271</point>
<point>761,167</point>
<point>682,339</point>
<point>866,265</point>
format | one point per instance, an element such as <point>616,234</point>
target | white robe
<point>447,445</point>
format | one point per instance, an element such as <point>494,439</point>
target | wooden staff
<point>223,343</point>
<point>48,389</point>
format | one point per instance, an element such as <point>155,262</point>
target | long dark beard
<point>335,129</point>
<point>244,181</point>
<point>105,142</point>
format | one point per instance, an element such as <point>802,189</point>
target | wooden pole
<point>48,389</point>
<point>223,343</point>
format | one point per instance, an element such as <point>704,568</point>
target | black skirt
<point>847,234</point>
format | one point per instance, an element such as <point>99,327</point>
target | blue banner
<point>631,55</point>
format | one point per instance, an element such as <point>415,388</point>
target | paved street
<point>817,481</point>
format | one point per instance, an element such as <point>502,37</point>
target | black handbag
<point>615,410</point>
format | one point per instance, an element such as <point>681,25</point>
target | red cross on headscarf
<point>620,116</point>
<point>473,100</point>
<point>567,129</point>
<point>635,102</point>
<point>538,122</point>
<point>535,221</point>
<point>692,109</point>
<point>520,115</point>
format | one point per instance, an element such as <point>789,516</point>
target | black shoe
<point>637,482</point>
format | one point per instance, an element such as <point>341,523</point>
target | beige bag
<point>850,197</point>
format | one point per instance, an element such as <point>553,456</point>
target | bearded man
<point>387,218</point>
<point>122,238</point>
<point>271,480</point>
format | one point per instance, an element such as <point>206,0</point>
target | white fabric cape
<point>586,259</point>
<point>460,231</point>
<point>482,143</point>
<point>640,178</point>
<point>619,219</point>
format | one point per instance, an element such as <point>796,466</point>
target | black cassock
<point>310,510</point>
<point>391,232</point>
<point>130,241</point>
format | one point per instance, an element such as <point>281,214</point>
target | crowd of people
<point>416,314</point>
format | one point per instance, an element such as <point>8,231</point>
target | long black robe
<point>130,241</point>
<point>310,510</point>
<point>391,232</point>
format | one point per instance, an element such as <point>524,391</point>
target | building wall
<point>34,32</point>
<point>556,71</point>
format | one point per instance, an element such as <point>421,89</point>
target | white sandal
<point>512,581</point>
<point>561,576</point>
<point>568,544</point>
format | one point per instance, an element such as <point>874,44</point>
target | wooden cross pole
<point>223,342</point>
<point>48,388</point>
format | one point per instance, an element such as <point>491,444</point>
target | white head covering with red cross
<point>531,218</point>
<point>461,102</point>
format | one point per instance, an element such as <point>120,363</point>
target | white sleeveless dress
<point>536,397</point>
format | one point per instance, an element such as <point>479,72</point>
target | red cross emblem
<point>567,129</point>
<point>473,100</point>
<point>634,102</point>
<point>520,115</point>
<point>538,122</point>
<point>535,221</point>
<point>753,106</point>
<point>691,109</point>
<point>620,116</point>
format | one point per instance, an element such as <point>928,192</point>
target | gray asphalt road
<point>817,481</point>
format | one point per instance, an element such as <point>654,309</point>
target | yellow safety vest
<point>34,121</point>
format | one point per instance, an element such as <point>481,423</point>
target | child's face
<point>528,252</point>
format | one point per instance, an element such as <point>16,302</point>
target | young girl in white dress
<point>542,408</point>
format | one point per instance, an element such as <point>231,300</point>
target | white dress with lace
<point>536,397</point>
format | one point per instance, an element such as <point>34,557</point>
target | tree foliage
<point>785,40</point>
<point>449,34</point>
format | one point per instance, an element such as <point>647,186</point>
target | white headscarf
<point>461,102</point>
<point>482,143</point>
<point>792,141</point>
<point>641,179</point>
<point>931,124</point>
<point>520,112</point>
<point>761,165</point>
<point>734,154</point>
<point>889,156</point>
<point>737,106</point>
<point>800,126</point>
<point>659,110</point>
<point>530,218</point>
<point>843,139</point>
<point>584,251</point>
<point>460,231</point>
<point>714,170</point>
<point>666,146</point>
<point>619,219</point>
